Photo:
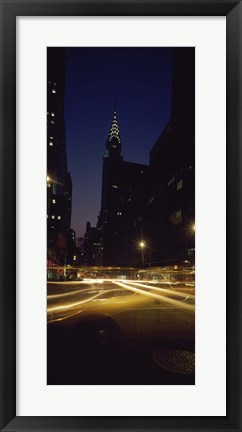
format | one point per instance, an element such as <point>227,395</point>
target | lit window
<point>51,138</point>
<point>53,201</point>
<point>191,252</point>
<point>59,217</point>
<point>52,217</point>
<point>51,143</point>
<point>119,213</point>
<point>179,185</point>
<point>52,114</point>
<point>53,91</point>
<point>115,186</point>
<point>52,122</point>
<point>171,181</point>
<point>52,226</point>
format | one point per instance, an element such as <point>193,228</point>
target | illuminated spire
<point>113,144</point>
<point>114,130</point>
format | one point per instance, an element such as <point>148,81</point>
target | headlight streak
<point>100,291</point>
<point>73,282</point>
<point>177,293</point>
<point>114,295</point>
<point>70,293</point>
<point>65,317</point>
<point>71,305</point>
<point>175,303</point>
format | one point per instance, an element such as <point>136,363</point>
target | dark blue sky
<point>140,80</point>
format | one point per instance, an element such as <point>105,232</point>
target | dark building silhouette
<point>168,218</point>
<point>60,241</point>
<point>124,186</point>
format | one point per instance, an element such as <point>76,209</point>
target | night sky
<point>140,81</point>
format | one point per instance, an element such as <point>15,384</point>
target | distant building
<point>124,186</point>
<point>92,246</point>
<point>59,184</point>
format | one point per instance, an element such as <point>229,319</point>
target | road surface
<point>111,327</point>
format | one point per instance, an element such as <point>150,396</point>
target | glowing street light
<point>191,229</point>
<point>48,181</point>
<point>142,246</point>
<point>52,181</point>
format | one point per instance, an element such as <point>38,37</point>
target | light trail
<point>71,305</point>
<point>173,302</point>
<point>80,282</point>
<point>177,293</point>
<point>55,296</point>
<point>66,316</point>
<point>100,290</point>
<point>108,293</point>
<point>166,280</point>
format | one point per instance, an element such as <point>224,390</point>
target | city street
<point>121,215</point>
<point>105,329</point>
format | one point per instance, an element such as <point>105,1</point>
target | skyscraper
<point>123,191</point>
<point>59,184</point>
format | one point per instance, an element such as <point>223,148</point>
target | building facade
<point>60,240</point>
<point>168,218</point>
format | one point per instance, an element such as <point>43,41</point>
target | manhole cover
<point>178,361</point>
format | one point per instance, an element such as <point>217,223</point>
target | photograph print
<point>120,215</point>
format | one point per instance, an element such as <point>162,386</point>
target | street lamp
<point>142,246</point>
<point>65,269</point>
<point>48,181</point>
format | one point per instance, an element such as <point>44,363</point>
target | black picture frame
<point>9,10</point>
